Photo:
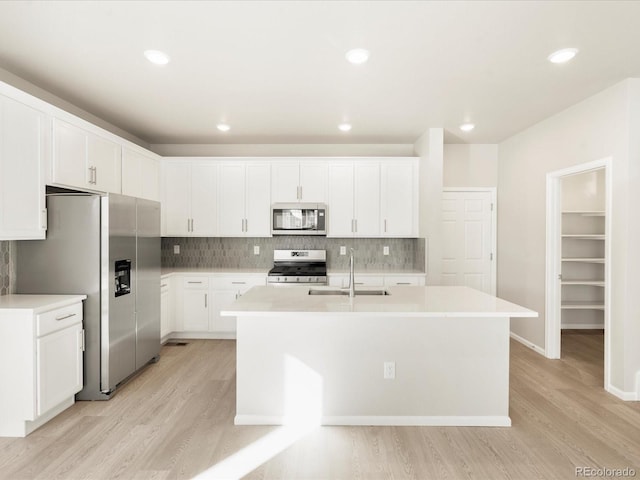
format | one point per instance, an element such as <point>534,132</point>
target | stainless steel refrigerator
<point>108,248</point>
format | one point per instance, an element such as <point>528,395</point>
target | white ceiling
<point>276,72</point>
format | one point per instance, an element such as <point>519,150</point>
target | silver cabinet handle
<point>193,282</point>
<point>355,220</point>
<point>95,175</point>
<point>352,225</point>
<point>64,317</point>
<point>385,225</point>
<point>162,285</point>
<point>403,283</point>
<point>205,300</point>
<point>192,228</point>
<point>358,283</point>
<point>239,283</point>
<point>91,175</point>
<point>188,224</point>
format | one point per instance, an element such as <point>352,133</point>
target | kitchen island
<point>417,356</point>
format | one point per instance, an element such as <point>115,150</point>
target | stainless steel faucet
<point>352,290</point>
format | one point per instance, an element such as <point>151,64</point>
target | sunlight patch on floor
<point>303,392</point>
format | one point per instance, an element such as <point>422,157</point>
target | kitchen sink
<point>322,291</point>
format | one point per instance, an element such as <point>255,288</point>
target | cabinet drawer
<point>196,282</point>
<point>58,319</point>
<point>366,281</point>
<point>392,280</point>
<point>239,283</point>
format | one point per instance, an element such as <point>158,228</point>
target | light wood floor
<point>175,420</point>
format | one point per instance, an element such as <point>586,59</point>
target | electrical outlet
<point>343,250</point>
<point>256,249</point>
<point>385,250</point>
<point>389,370</point>
<point>176,249</point>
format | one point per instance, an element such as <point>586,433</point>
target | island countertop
<point>402,301</point>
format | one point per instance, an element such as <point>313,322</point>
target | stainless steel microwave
<point>298,219</point>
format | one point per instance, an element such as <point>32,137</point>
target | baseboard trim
<point>622,394</point>
<point>582,326</point>
<point>372,420</point>
<point>527,343</point>
<point>201,336</point>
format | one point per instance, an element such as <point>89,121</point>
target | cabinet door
<point>195,310</point>
<point>166,317</point>
<point>314,179</point>
<point>59,367</point>
<point>285,181</point>
<point>105,158</point>
<point>204,210</point>
<point>175,201</point>
<point>70,155</point>
<point>399,199</point>
<point>131,173</point>
<point>367,199</point>
<point>258,200</point>
<point>340,205</point>
<point>221,300</point>
<point>231,198</point>
<point>150,178</point>
<point>23,150</point>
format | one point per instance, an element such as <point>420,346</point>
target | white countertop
<point>37,303</point>
<point>403,301</point>
<point>264,271</point>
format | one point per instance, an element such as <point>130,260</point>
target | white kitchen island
<point>324,358</point>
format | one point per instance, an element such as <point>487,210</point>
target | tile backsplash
<point>7,267</point>
<point>197,252</point>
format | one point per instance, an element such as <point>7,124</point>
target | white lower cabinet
<point>201,298</point>
<point>41,364</point>
<point>166,310</point>
<point>372,280</point>
<point>195,304</point>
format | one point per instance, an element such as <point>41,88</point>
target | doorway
<point>469,238</point>
<point>579,202</point>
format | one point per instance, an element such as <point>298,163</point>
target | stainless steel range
<point>298,267</point>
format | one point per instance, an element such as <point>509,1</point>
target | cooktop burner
<point>299,266</point>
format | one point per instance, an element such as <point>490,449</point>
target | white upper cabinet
<point>23,154</point>
<point>373,198</point>
<point>299,181</point>
<point>367,199</point>
<point>341,200</point>
<point>244,199</point>
<point>82,159</point>
<point>189,198</point>
<point>140,174</point>
<point>399,197</point>
<point>354,199</point>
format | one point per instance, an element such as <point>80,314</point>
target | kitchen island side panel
<point>328,369</point>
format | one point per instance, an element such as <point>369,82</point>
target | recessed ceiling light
<point>345,127</point>
<point>223,127</point>
<point>562,56</point>
<point>357,56</point>
<point>467,127</point>
<point>157,57</point>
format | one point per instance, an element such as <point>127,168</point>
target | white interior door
<point>468,239</point>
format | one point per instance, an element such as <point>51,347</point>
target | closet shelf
<point>583,259</point>
<point>583,306</point>
<point>583,236</point>
<point>585,213</point>
<point>593,283</point>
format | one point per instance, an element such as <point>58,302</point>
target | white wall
<point>470,165</point>
<point>584,191</point>
<point>430,148</point>
<point>600,126</point>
